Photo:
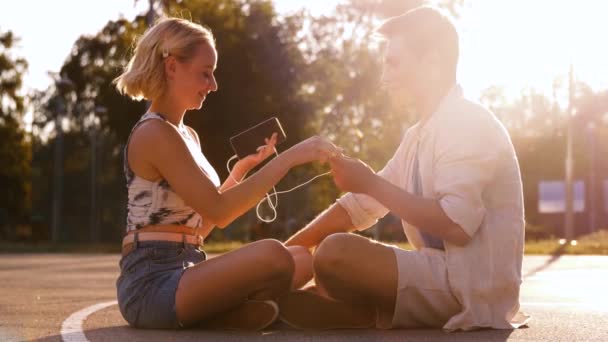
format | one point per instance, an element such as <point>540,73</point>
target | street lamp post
<point>57,181</point>
<point>63,86</point>
<point>569,214</point>
<point>592,181</point>
<point>93,191</point>
<point>93,217</point>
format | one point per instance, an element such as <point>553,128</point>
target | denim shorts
<point>148,280</point>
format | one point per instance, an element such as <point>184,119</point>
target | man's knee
<point>332,258</point>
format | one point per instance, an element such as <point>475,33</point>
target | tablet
<point>248,141</point>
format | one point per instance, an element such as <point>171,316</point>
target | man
<point>455,183</point>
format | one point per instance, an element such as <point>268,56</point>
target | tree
<point>257,72</point>
<point>268,66</point>
<point>14,147</point>
<point>99,121</point>
<point>342,82</point>
<point>537,125</point>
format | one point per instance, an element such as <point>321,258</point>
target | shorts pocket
<point>167,255</point>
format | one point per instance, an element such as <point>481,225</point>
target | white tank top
<point>151,203</point>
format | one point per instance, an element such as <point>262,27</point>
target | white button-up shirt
<point>467,162</point>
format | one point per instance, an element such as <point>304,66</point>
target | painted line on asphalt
<point>71,329</point>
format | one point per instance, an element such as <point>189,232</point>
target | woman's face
<point>193,80</point>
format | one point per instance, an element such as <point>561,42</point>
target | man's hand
<point>351,175</point>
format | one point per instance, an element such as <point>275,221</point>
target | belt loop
<point>184,240</point>
<point>136,240</point>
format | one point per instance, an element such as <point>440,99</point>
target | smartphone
<point>248,141</point>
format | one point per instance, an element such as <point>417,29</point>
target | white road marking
<point>71,329</point>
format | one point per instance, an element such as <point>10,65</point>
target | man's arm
<point>426,214</point>
<point>338,219</point>
<point>333,220</point>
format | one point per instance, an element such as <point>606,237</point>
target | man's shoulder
<point>467,109</point>
<point>467,122</point>
<point>469,115</point>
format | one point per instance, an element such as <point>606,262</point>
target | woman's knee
<point>275,258</point>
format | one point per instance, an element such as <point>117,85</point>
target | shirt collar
<point>445,104</point>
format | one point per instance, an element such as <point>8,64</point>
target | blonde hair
<point>144,76</point>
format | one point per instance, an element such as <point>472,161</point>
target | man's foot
<point>307,310</point>
<point>252,315</point>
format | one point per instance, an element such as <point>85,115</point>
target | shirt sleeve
<point>364,211</point>
<point>466,161</point>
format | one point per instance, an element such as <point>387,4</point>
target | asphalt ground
<point>43,294</point>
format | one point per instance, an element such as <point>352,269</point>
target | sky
<point>48,29</point>
<point>527,43</point>
<point>515,44</point>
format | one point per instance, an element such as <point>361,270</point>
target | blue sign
<point>552,196</point>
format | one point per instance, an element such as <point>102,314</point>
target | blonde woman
<point>175,199</point>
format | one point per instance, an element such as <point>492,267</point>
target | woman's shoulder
<point>153,134</point>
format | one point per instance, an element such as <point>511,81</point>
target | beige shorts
<point>424,298</point>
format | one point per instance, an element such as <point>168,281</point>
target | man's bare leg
<point>359,274</point>
<point>303,266</point>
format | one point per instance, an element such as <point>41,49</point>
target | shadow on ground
<point>555,255</point>
<point>126,333</point>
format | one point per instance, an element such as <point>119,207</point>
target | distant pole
<point>93,215</point>
<point>151,15</point>
<point>57,206</point>
<point>569,217</point>
<point>63,87</point>
<point>592,188</point>
<point>94,231</point>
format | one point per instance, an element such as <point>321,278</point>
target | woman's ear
<point>170,66</point>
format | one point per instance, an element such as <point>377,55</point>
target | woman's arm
<point>240,170</point>
<point>242,166</point>
<point>159,145</point>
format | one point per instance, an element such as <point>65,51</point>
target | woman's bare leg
<point>260,270</point>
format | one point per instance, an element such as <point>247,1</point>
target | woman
<point>175,199</point>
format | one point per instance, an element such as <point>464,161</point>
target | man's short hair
<point>425,29</point>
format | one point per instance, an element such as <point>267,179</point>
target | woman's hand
<point>311,149</point>
<point>351,175</point>
<point>253,160</point>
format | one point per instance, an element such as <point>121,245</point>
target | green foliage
<point>591,244</point>
<point>11,78</point>
<point>537,232</point>
<point>537,125</point>
<point>15,152</point>
<point>259,73</point>
<point>319,75</point>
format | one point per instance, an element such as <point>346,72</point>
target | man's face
<point>402,70</point>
